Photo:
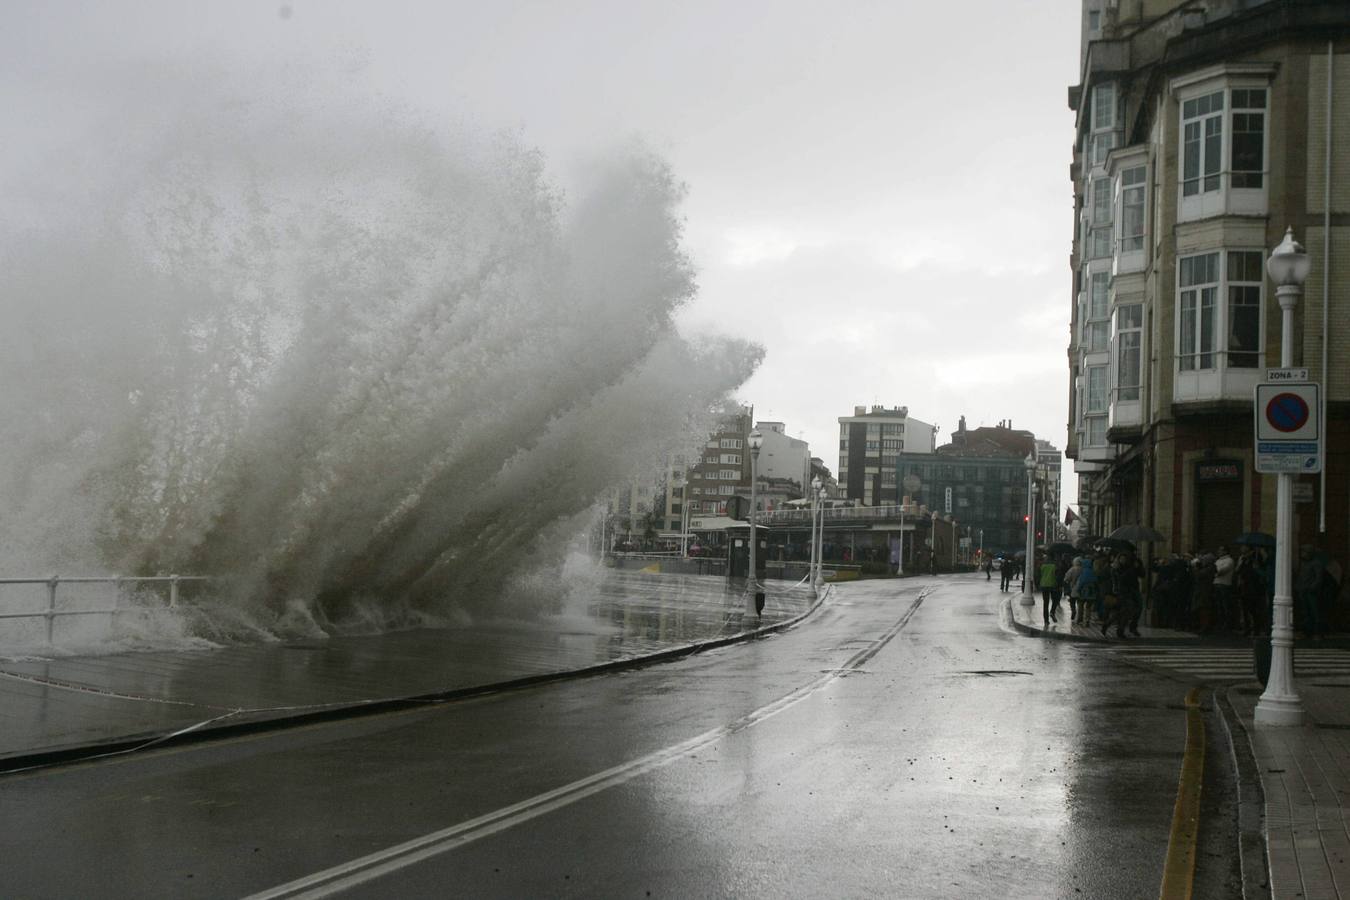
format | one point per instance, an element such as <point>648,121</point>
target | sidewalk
<point>1303,811</point>
<point>55,708</point>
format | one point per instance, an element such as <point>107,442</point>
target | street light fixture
<point>752,594</point>
<point>1280,704</point>
<point>815,546</point>
<point>1027,581</point>
<point>820,560</point>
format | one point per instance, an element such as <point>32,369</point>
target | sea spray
<point>358,368</point>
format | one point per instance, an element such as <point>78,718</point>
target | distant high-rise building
<point>870,442</point>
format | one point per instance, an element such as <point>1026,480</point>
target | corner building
<point>1204,130</point>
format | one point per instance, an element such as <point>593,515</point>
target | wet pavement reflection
<point>51,703</point>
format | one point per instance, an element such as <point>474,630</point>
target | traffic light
<point>1025,519</point>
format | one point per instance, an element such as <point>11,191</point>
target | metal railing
<point>53,582</point>
<point>844,513</point>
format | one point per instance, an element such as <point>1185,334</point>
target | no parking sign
<point>1288,427</point>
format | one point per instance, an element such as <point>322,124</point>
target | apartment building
<point>1204,130</point>
<point>723,469</point>
<point>870,443</point>
<point>979,479</point>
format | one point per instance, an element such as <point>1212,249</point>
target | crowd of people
<point>1210,593</point>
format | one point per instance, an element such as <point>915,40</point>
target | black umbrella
<point>1255,539</point>
<point>1060,547</point>
<point>1136,533</point>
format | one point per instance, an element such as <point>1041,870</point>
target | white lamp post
<point>815,546</point>
<point>900,561</point>
<point>820,557</point>
<point>756,441</point>
<point>1028,598</point>
<point>1280,704</point>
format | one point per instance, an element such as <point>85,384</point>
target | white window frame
<point>1129,337</point>
<point>1095,403</point>
<point>1213,187</point>
<point>1222,302</point>
<point>1198,295</point>
<point>1133,193</point>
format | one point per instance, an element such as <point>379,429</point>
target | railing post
<point>173,591</point>
<point>51,605</point>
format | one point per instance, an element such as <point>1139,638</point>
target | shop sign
<point>1219,470</point>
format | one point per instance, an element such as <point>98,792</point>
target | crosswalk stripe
<point>1235,663</point>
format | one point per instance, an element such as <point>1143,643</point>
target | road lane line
<point>1179,867</point>
<point>383,862</point>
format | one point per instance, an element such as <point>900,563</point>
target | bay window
<point>1244,309</point>
<point>1132,194</point>
<point>1129,338</point>
<point>1213,334</point>
<point>1201,143</point>
<point>1222,132</point>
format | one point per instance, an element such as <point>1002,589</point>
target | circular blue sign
<point>1287,412</point>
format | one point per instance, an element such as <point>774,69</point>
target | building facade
<point>870,443</point>
<point>979,479</point>
<point>1204,130</point>
<point>784,461</point>
<point>723,469</point>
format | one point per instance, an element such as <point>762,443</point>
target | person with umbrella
<point>1308,590</point>
<point>1224,567</point>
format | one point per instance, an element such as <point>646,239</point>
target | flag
<point>1069,517</point>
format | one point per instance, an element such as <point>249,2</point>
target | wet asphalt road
<point>899,743</point>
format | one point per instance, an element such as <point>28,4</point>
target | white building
<point>783,457</point>
<point>870,442</point>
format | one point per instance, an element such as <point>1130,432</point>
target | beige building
<point>1204,130</point>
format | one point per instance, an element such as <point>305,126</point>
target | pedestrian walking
<point>1250,587</point>
<point>1224,605</point>
<point>1120,592</point>
<point>1061,570</point>
<point>1089,592</point>
<point>1005,574</point>
<point>988,568</point>
<point>1076,604</point>
<point>1048,580</point>
<point>1132,571</point>
<point>1202,593</point>
<point>1308,590</point>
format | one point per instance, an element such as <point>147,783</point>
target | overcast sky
<point>878,192</point>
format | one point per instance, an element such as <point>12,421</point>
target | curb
<point>1033,631</point>
<point>205,732</point>
<point>1253,853</point>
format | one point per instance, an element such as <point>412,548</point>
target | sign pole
<point>1280,704</point>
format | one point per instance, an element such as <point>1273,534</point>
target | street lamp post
<point>756,441</point>
<point>1028,599</point>
<point>815,546</point>
<point>1280,704</point>
<point>820,557</point>
<point>900,560</point>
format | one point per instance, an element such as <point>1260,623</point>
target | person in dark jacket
<point>1308,590</point>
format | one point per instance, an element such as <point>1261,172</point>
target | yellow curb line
<point>1179,868</point>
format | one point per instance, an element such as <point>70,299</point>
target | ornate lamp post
<point>815,545</point>
<point>1028,586</point>
<point>756,441</point>
<point>1280,704</point>
<point>820,560</point>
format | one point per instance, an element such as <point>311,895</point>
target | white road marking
<point>391,859</point>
